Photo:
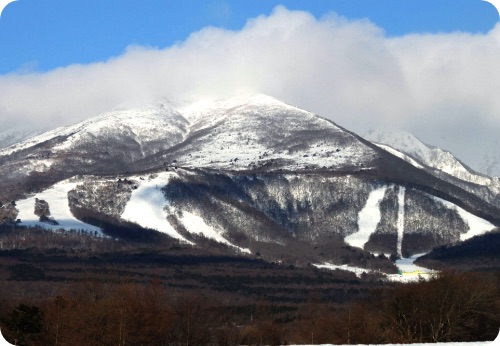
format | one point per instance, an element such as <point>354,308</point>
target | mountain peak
<point>438,160</point>
<point>203,108</point>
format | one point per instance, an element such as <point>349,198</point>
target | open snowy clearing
<point>146,206</point>
<point>368,219</point>
<point>356,270</point>
<point>405,265</point>
<point>57,198</point>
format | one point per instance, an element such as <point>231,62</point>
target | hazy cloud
<point>441,87</point>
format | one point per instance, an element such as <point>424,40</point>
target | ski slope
<point>477,226</point>
<point>195,224</point>
<point>149,208</point>
<point>146,206</point>
<point>368,218</point>
<point>57,198</point>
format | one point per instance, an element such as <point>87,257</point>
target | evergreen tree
<point>23,324</point>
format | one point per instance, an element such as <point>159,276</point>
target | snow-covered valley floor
<point>405,265</point>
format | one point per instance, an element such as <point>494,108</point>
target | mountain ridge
<point>438,162</point>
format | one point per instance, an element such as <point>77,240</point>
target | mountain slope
<point>262,133</point>
<point>250,173</point>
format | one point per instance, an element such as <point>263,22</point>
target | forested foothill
<point>76,288</point>
<point>477,253</point>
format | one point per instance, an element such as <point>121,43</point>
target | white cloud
<point>442,87</point>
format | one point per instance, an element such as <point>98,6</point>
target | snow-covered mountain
<point>251,173</point>
<point>235,134</point>
<point>437,161</point>
<point>141,129</point>
<point>428,155</point>
<point>15,135</point>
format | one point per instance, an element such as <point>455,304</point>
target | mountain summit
<point>244,133</point>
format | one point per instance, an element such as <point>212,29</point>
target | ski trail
<point>477,226</point>
<point>57,198</point>
<point>146,207</point>
<point>195,224</point>
<point>401,219</point>
<point>368,218</point>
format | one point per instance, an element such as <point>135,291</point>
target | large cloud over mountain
<point>442,87</point>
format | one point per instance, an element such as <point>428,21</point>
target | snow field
<point>57,198</point>
<point>232,139</point>
<point>407,264</point>
<point>477,226</point>
<point>368,218</point>
<point>146,206</point>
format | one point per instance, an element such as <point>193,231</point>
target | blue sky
<point>429,67</point>
<point>40,35</point>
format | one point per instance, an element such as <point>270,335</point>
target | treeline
<point>17,238</point>
<point>115,239</point>
<point>453,307</point>
<point>477,252</point>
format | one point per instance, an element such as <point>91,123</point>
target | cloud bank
<point>441,87</point>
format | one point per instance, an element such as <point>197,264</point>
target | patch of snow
<point>195,224</point>
<point>30,142</point>
<point>410,271</point>
<point>407,264</point>
<point>57,198</point>
<point>356,270</point>
<point>368,219</point>
<point>146,206</point>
